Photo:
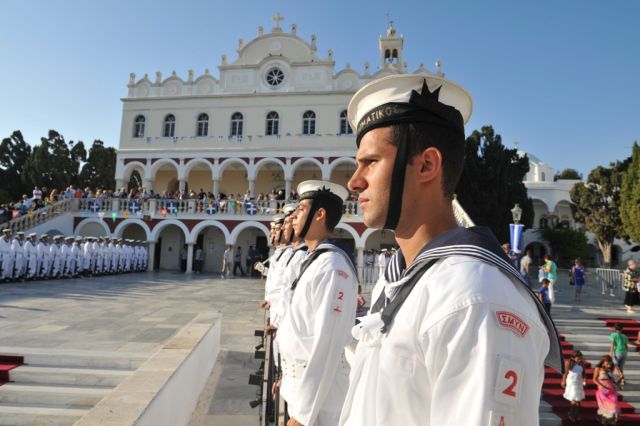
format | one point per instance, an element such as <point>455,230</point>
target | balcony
<point>113,208</point>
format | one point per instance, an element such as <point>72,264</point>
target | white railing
<point>610,279</point>
<point>40,216</point>
<point>192,208</point>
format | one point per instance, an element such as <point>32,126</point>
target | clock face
<point>274,77</point>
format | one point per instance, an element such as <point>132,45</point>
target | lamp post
<point>515,229</point>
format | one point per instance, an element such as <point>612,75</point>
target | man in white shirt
<point>454,336</point>
<point>316,326</point>
<point>525,266</point>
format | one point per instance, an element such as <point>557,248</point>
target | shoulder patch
<point>342,273</point>
<point>512,322</point>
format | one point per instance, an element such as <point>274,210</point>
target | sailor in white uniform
<point>42,252</point>
<point>54,256</point>
<point>316,327</point>
<point>454,336</point>
<point>78,243</point>
<point>17,250</point>
<point>86,255</point>
<point>277,241</point>
<point>31,255</point>
<point>68,257</point>
<point>6,258</point>
<point>72,260</point>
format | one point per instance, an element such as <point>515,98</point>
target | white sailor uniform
<point>54,256</point>
<point>6,258</point>
<point>18,258</point>
<point>312,338</point>
<point>30,253</point>
<point>41,249</point>
<point>466,348</point>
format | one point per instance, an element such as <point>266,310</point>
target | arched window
<point>236,124</point>
<point>345,129</point>
<point>202,129</point>
<point>544,223</point>
<point>309,123</point>
<point>273,124</point>
<point>138,127</point>
<point>169,128</point>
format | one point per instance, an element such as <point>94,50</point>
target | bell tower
<point>391,49</point>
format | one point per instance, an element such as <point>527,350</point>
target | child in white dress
<point>573,382</point>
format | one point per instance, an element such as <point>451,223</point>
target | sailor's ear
<point>428,164</point>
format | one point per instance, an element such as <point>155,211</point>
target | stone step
<point>76,358</point>
<point>38,415</point>
<point>58,396</point>
<point>35,374</point>
<point>549,419</point>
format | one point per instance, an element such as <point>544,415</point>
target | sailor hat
<point>33,234</point>
<point>78,238</point>
<point>289,208</point>
<point>403,99</point>
<point>313,188</point>
<point>69,238</point>
<point>5,230</point>
<point>278,219</point>
<point>43,236</point>
<point>19,233</point>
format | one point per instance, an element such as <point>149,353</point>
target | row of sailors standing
<point>311,293</point>
<point>34,258</point>
<point>454,335</point>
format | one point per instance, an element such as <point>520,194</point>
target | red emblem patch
<point>512,322</point>
<point>343,274</point>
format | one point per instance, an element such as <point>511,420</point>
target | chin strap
<point>315,205</point>
<point>397,179</point>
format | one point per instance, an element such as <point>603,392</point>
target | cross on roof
<point>277,18</point>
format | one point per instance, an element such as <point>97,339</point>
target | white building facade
<point>271,118</point>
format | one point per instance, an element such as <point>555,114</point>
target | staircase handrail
<point>40,216</point>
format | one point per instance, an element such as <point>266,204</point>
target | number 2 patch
<point>508,382</point>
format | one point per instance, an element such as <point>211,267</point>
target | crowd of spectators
<point>43,197</point>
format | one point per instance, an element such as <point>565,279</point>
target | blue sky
<point>560,77</point>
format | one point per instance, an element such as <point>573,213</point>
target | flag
<point>515,232</point>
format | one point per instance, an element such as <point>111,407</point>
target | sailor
<point>31,256</point>
<point>65,252</point>
<point>270,289</point>
<point>17,251</point>
<point>42,254</point>
<point>97,254</point>
<point>86,255</point>
<point>77,243</point>
<point>72,258</point>
<point>6,259</point>
<point>145,255</point>
<point>122,253</point>
<point>382,262</point>
<point>316,327</point>
<point>454,336</point>
<point>54,256</point>
<point>115,257</point>
<point>288,266</point>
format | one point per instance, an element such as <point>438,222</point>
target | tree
<point>53,164</point>
<point>14,153</point>
<point>100,168</point>
<point>597,205</point>
<point>568,174</point>
<point>492,182</point>
<point>566,244</point>
<point>630,196</point>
